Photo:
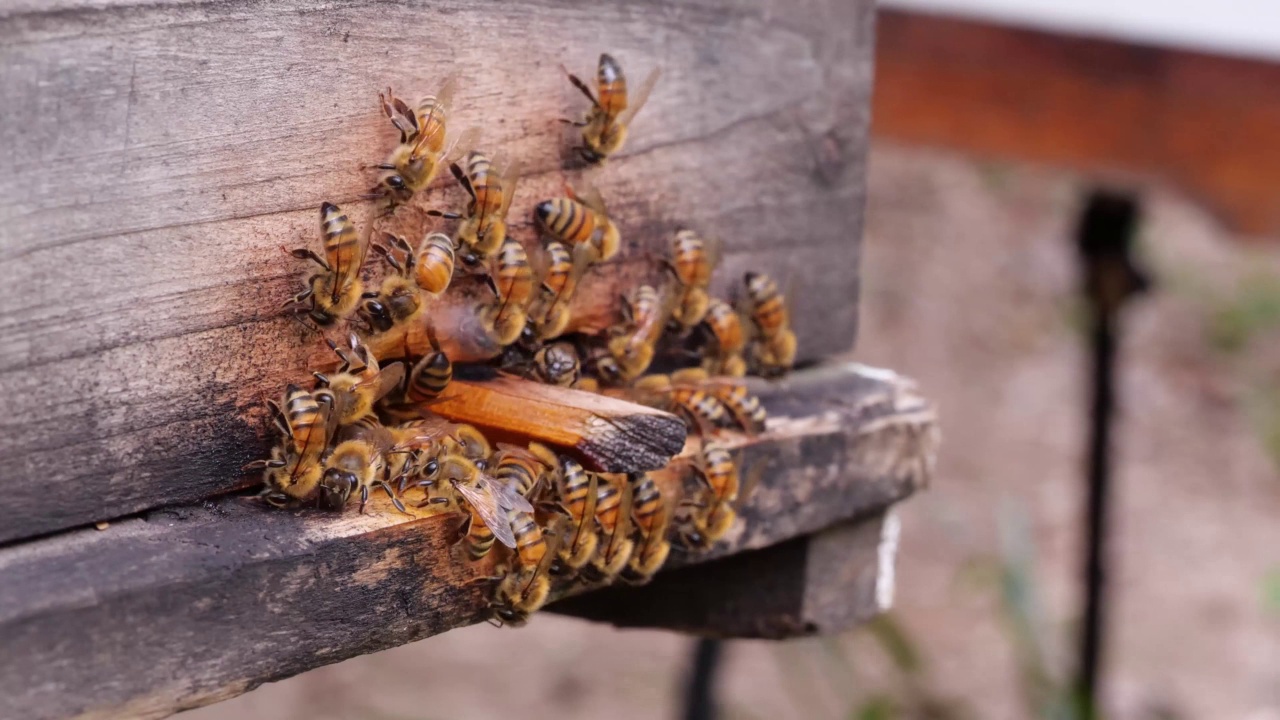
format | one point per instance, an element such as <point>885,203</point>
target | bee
<point>336,291</point>
<point>358,461</point>
<point>774,351</point>
<point>430,375</point>
<point>605,128</point>
<point>455,438</point>
<point>644,315</point>
<point>524,469</point>
<point>578,492</point>
<point>557,364</point>
<point>560,281</point>
<point>679,394</point>
<point>691,263</point>
<point>743,407</point>
<point>651,515</point>
<point>613,513</point>
<point>294,469</point>
<point>491,187</point>
<point>512,283</point>
<point>398,301</point>
<point>580,220</point>
<point>702,530</point>
<point>523,590</point>
<point>487,502</point>
<point>736,403</point>
<point>724,330</point>
<point>413,164</point>
<point>720,474</point>
<point>359,382</point>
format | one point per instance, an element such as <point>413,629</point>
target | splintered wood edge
<point>237,594</point>
<point>604,434</point>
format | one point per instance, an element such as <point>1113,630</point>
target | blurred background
<point>993,120</point>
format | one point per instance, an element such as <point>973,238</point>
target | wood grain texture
<point>816,584</point>
<point>154,157</point>
<point>188,605</point>
<point>603,433</point>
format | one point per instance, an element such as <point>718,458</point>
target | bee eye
<point>432,467</point>
<point>395,181</point>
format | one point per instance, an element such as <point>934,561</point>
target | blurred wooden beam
<point>1125,112</point>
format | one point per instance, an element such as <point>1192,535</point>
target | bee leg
<point>575,123</point>
<point>394,500</point>
<point>445,215</point>
<point>364,497</point>
<point>308,254</point>
<point>577,82</point>
<point>263,464</point>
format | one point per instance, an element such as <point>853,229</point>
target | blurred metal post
<point>699,698</point>
<point>1110,279</point>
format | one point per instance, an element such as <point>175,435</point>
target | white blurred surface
<point>1232,27</point>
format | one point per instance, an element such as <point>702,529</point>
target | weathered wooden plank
<point>220,597</point>
<point>153,158</point>
<point>816,584</point>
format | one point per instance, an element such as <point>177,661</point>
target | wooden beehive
<point>155,159</point>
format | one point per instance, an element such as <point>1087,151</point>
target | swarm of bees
<point>367,426</point>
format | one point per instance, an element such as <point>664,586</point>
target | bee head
<point>336,487</point>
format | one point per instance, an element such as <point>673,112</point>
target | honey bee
<point>702,530</point>
<point>581,220</point>
<point>680,394</point>
<point>737,403</point>
<point>557,364</point>
<point>523,590</point>
<point>613,513</point>
<point>294,469</point>
<point>413,164</point>
<point>644,315</point>
<point>358,462</point>
<point>720,474</point>
<point>486,502</point>
<point>398,301</point>
<point>455,438</point>
<point>724,328</point>
<point>484,225</point>
<point>605,128</point>
<point>512,283</point>
<point>430,375</point>
<point>651,515</point>
<point>691,263</point>
<point>559,283</point>
<point>524,469</point>
<point>744,407</point>
<point>578,494</point>
<point>359,382</point>
<point>334,292</point>
<point>774,351</point>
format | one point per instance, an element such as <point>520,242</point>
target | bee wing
<point>447,90</point>
<point>389,378</point>
<point>507,496</point>
<point>510,178</point>
<point>589,510</point>
<point>749,483</point>
<point>486,506</point>
<point>640,98</point>
<point>622,529</point>
<point>461,145</point>
<point>714,248</point>
<point>590,197</point>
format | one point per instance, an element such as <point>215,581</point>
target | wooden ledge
<point>193,604</point>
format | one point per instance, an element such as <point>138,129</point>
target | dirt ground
<point>969,287</point>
